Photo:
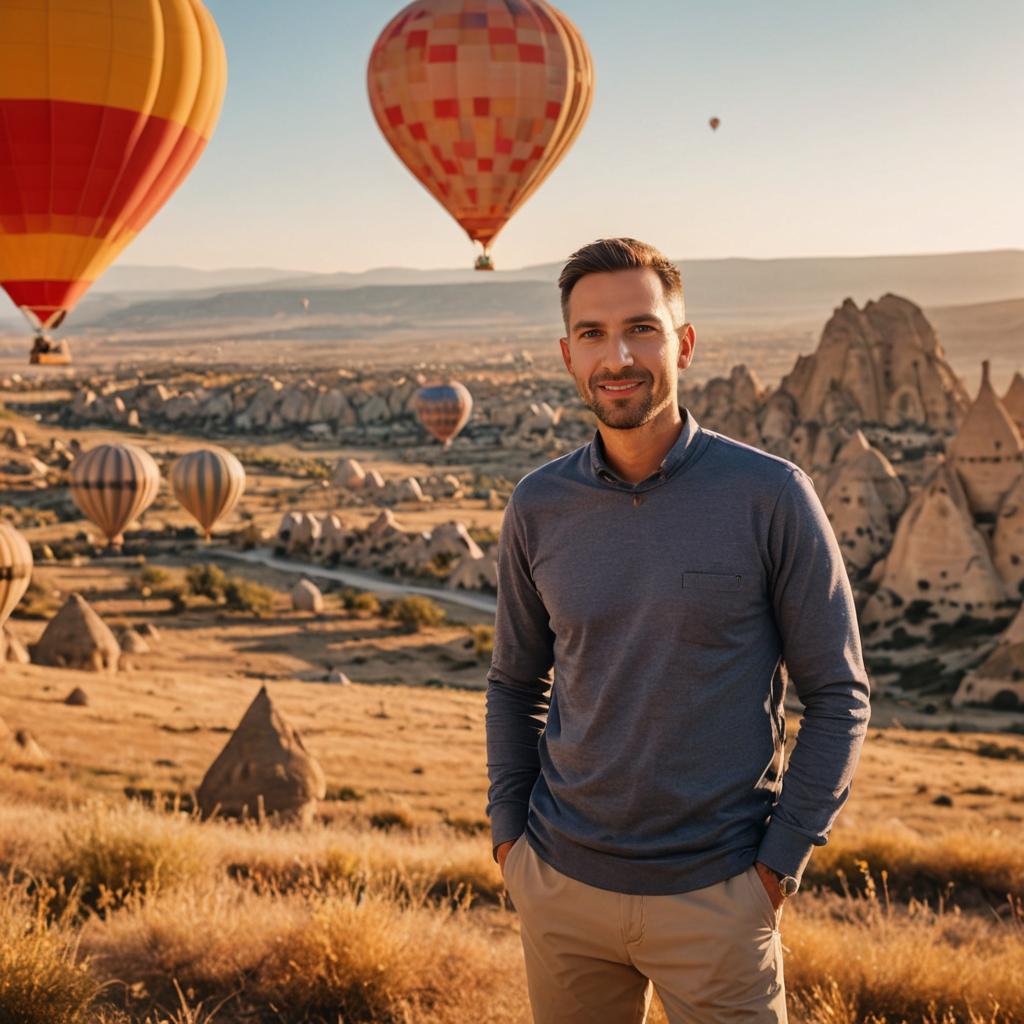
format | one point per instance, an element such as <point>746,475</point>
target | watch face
<point>788,885</point>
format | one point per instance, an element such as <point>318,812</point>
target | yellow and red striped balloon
<point>480,99</point>
<point>105,107</point>
<point>444,409</point>
<point>208,484</point>
<point>15,569</point>
<point>113,484</point>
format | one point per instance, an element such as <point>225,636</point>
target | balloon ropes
<point>113,484</point>
<point>15,570</point>
<point>208,484</point>
<point>104,110</point>
<point>480,99</point>
<point>443,409</point>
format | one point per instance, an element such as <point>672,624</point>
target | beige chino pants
<point>595,956</point>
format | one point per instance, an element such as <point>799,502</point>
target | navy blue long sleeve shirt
<point>635,724</point>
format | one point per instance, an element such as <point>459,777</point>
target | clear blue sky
<point>877,126</point>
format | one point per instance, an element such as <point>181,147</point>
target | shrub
<point>41,981</point>
<point>207,580</point>
<point>244,595</point>
<point>483,641</point>
<point>112,856</point>
<point>365,604</point>
<point>415,612</point>
<point>39,602</point>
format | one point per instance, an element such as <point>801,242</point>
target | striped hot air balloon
<point>444,409</point>
<point>208,484</point>
<point>104,109</point>
<point>113,484</point>
<point>15,569</point>
<point>480,99</point>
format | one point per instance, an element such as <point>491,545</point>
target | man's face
<point>625,346</point>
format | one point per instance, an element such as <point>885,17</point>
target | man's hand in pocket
<point>503,853</point>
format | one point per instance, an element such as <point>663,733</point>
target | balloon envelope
<point>208,483</point>
<point>104,110</point>
<point>113,484</point>
<point>714,122</point>
<point>444,409</point>
<point>15,569</point>
<point>480,99</point>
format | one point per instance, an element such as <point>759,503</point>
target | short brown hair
<point>608,254</point>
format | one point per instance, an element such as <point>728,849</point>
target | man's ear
<point>687,340</point>
<point>563,344</point>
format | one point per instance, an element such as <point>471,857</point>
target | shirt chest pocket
<point>715,605</point>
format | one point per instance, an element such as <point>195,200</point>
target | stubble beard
<point>625,413</point>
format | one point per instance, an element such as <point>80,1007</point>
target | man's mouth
<point>621,387</point>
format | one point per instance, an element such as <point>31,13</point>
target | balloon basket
<point>484,262</point>
<point>46,352</point>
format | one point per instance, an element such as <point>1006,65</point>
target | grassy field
<point>391,910</point>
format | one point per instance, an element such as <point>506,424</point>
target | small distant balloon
<point>113,484</point>
<point>208,483</point>
<point>444,409</point>
<point>714,122</point>
<point>305,304</point>
<point>15,569</point>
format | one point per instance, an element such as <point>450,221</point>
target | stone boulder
<point>263,770</point>
<point>306,597</point>
<point>76,637</point>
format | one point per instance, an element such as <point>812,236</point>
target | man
<point>651,585</point>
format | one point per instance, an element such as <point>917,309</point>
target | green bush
<point>207,580</point>
<point>415,612</point>
<point>365,604</point>
<point>244,595</point>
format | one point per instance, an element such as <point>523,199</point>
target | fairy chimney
<point>264,769</point>
<point>349,474</point>
<point>938,561</point>
<point>881,364</point>
<point>76,637</point>
<point>999,680</point>
<point>1013,401</point>
<point>858,459</point>
<point>1008,539</point>
<point>986,452</point>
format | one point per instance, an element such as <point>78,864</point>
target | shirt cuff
<point>784,850</point>
<point>508,823</point>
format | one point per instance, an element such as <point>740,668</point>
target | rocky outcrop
<point>999,680</point>
<point>986,452</point>
<point>1008,539</point>
<point>939,567</point>
<point>879,364</point>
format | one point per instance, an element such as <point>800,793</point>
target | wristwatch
<point>788,885</point>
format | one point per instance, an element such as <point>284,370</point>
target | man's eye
<point>643,327</point>
<point>592,333</point>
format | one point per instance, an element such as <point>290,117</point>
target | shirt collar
<point>675,458</point>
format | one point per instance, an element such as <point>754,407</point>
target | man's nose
<point>617,354</point>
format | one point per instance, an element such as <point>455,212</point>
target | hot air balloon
<point>714,122</point>
<point>444,409</point>
<point>113,484</point>
<point>15,569</point>
<point>208,483</point>
<point>104,110</point>
<point>305,304</point>
<point>480,99</point>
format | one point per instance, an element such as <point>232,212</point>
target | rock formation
<point>1013,401</point>
<point>76,637</point>
<point>1008,539</point>
<point>349,474</point>
<point>882,364</point>
<point>999,680</point>
<point>264,769</point>
<point>863,498</point>
<point>306,597</point>
<point>939,567</point>
<point>986,451</point>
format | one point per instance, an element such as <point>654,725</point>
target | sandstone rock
<point>939,559</point>
<point>1008,539</point>
<point>77,698</point>
<point>76,637</point>
<point>880,364</point>
<point>859,460</point>
<point>999,680</point>
<point>349,474</point>
<point>375,410</point>
<point>264,769</point>
<point>14,437</point>
<point>1013,401</point>
<point>474,572</point>
<point>338,677</point>
<point>986,451</point>
<point>306,597</point>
